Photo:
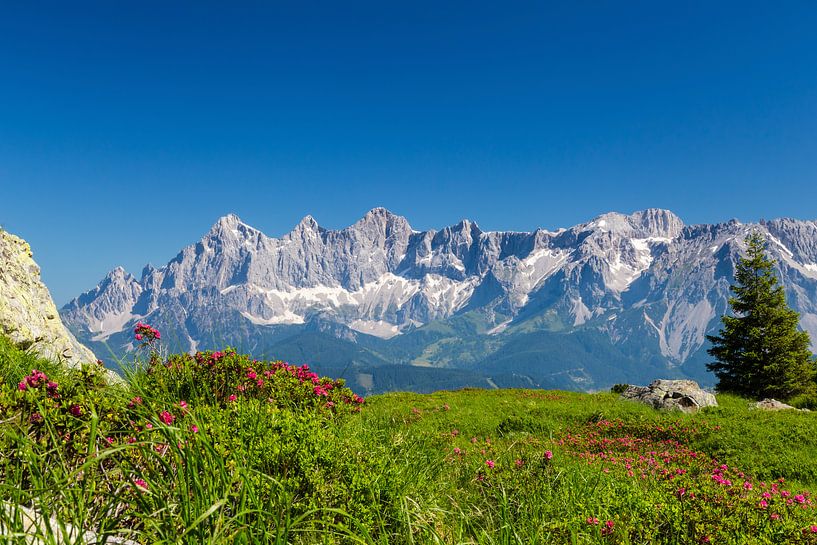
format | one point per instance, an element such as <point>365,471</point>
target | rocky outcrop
<point>683,395</point>
<point>38,529</point>
<point>28,315</point>
<point>769,404</point>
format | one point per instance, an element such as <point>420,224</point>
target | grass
<point>16,363</point>
<point>471,466</point>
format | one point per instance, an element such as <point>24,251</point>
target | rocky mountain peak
<point>147,271</point>
<point>379,213</point>
<point>657,222</point>
<point>230,220</point>
<point>649,223</point>
<point>382,220</point>
<point>382,229</point>
<point>117,274</point>
<point>309,223</point>
<point>307,228</point>
<point>469,226</point>
<point>230,227</point>
<point>117,277</point>
<point>464,231</point>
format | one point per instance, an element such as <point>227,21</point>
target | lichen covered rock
<point>28,315</point>
<point>769,404</point>
<point>683,395</point>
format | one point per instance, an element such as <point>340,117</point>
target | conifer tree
<point>760,351</point>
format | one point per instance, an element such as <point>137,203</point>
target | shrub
<point>223,377</point>
<point>804,401</point>
<point>619,388</point>
<point>261,433</point>
<point>50,411</point>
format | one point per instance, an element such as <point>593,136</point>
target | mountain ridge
<point>650,285</point>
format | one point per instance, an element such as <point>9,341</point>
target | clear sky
<point>128,128</point>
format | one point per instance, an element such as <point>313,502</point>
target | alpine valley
<point>620,299</point>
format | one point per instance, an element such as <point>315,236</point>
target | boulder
<point>28,315</point>
<point>682,395</point>
<point>38,529</point>
<point>769,404</point>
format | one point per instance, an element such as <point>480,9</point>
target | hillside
<point>293,458</point>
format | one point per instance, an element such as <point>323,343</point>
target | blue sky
<point>127,129</point>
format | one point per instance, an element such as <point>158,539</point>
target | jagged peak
<point>379,211</point>
<point>307,222</point>
<point>307,227</point>
<point>381,216</point>
<point>466,225</point>
<point>116,281</point>
<point>658,221</point>
<point>378,214</point>
<point>147,270</point>
<point>657,213</point>
<point>117,273</point>
<point>118,278</point>
<point>230,219</point>
<point>649,222</point>
<point>609,221</point>
<point>231,223</point>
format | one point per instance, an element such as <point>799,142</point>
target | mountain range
<point>618,299</point>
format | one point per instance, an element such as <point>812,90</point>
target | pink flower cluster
<point>166,418</point>
<point>231,376</point>
<point>209,358</point>
<point>320,387</point>
<point>148,335</point>
<point>36,380</point>
<point>687,475</point>
<point>717,476</point>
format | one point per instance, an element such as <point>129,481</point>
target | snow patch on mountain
<point>688,324</point>
<point>112,323</point>
<point>580,311</point>
<point>378,328</point>
<point>286,317</point>
<point>499,328</point>
<point>541,263</point>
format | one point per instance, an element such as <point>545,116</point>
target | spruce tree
<point>760,351</point>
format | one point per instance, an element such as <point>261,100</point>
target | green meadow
<point>222,448</point>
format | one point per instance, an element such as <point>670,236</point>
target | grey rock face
<point>28,315</point>
<point>682,395</point>
<point>769,404</point>
<point>652,287</point>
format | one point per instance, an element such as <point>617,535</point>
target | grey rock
<point>683,395</point>
<point>769,404</point>
<point>39,529</point>
<point>28,315</point>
